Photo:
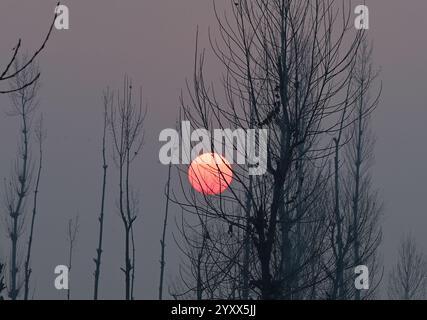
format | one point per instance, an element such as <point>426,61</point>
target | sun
<point>210,174</point>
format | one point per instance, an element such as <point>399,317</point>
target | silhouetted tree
<point>126,119</point>
<point>20,77</point>
<point>407,280</point>
<point>24,102</point>
<point>108,100</point>
<point>364,203</point>
<point>355,226</point>
<point>340,241</point>
<point>40,134</point>
<point>287,68</point>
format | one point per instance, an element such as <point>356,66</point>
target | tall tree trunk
<point>132,285</point>
<point>33,217</point>
<point>19,206</point>
<point>286,258</point>
<point>339,272</point>
<point>356,196</point>
<point>128,263</point>
<point>127,137</point>
<point>163,240</point>
<point>129,260</point>
<point>97,260</point>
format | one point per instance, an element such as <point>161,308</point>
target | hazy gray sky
<point>153,41</point>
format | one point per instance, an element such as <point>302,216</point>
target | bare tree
<point>20,77</point>
<point>108,100</point>
<point>72,231</point>
<point>355,231</point>
<point>363,200</point>
<point>407,280</point>
<point>23,105</point>
<point>40,137</point>
<point>126,121</point>
<point>287,68</point>
<point>340,242</point>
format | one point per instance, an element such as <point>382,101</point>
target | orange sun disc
<point>210,174</point>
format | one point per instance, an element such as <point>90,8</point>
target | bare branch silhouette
<point>23,104</point>
<point>5,75</point>
<point>126,121</point>
<point>407,280</point>
<point>108,100</point>
<point>163,240</point>
<point>288,68</point>
<point>40,137</point>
